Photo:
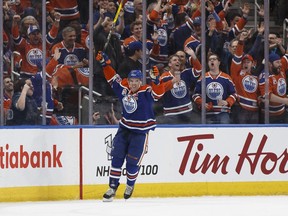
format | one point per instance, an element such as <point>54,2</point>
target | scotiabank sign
<point>23,159</point>
<point>39,157</point>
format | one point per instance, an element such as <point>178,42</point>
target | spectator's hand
<point>245,10</point>
<point>209,106</point>
<point>243,35</point>
<point>154,37</point>
<point>227,6</point>
<point>16,18</point>
<point>210,7</point>
<point>26,87</point>
<point>190,52</point>
<point>222,103</point>
<point>121,13</point>
<point>212,26</point>
<point>56,54</point>
<point>83,63</point>
<point>60,106</point>
<point>154,74</point>
<point>103,59</point>
<point>95,117</point>
<point>57,16</point>
<point>102,12</point>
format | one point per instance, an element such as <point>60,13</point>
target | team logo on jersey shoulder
<point>179,89</point>
<point>214,90</point>
<point>129,103</point>
<point>281,87</point>
<point>34,56</point>
<point>250,84</point>
<point>84,71</point>
<point>71,59</point>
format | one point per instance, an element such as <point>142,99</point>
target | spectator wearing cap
<point>152,46</point>
<point>246,109</point>
<point>276,92</point>
<point>31,48</point>
<point>132,11</point>
<point>131,60</point>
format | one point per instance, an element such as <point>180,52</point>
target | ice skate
<point>109,195</point>
<point>128,192</point>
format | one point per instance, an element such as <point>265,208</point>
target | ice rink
<point>194,206</point>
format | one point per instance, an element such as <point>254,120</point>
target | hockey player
<point>130,142</point>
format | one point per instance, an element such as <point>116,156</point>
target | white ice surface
<point>193,206</point>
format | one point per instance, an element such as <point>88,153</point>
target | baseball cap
<point>273,57</point>
<point>247,56</point>
<point>135,74</point>
<point>32,28</point>
<point>135,45</point>
<point>197,21</point>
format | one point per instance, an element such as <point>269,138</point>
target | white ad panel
<point>188,154</point>
<point>39,157</point>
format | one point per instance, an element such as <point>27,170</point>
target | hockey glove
<point>154,74</point>
<point>103,59</point>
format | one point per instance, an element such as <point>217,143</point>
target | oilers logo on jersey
<point>71,59</point>
<point>34,56</point>
<point>214,90</point>
<point>84,71</point>
<point>281,87</point>
<point>250,84</point>
<point>179,90</point>
<point>129,103</point>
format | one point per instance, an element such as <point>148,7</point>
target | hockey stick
<point>114,21</point>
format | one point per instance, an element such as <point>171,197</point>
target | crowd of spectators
<point>235,76</point>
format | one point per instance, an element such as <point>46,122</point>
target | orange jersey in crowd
<point>246,84</point>
<point>66,75</point>
<point>277,86</point>
<point>32,54</point>
<point>67,8</point>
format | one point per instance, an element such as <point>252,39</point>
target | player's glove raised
<point>103,59</point>
<point>154,74</point>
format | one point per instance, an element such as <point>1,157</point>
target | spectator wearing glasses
<point>220,93</point>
